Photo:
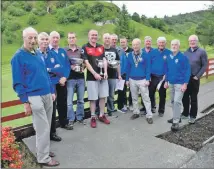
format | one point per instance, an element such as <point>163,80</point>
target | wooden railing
<point>27,130</point>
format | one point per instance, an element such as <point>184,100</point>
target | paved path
<point>124,143</point>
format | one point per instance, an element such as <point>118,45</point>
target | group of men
<point>46,78</point>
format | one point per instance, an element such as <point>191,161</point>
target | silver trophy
<point>113,64</point>
<point>77,62</point>
<point>100,64</point>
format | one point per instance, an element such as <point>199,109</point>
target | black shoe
<point>175,127</point>
<point>134,116</point>
<point>115,110</point>
<point>171,121</point>
<point>149,120</point>
<point>153,110</point>
<point>161,114</point>
<point>109,113</point>
<point>54,137</point>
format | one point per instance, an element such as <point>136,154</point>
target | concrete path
<point>124,143</point>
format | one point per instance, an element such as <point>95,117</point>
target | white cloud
<point>161,8</point>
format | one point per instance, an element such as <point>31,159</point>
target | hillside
<point>187,23</point>
<point>13,25</point>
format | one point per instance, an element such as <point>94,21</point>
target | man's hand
<point>62,81</point>
<point>147,83</point>
<point>120,78</point>
<point>195,77</point>
<point>27,108</point>
<point>97,76</point>
<point>127,83</point>
<point>53,97</point>
<point>184,87</point>
<point>166,85</point>
<point>105,76</point>
<point>57,65</point>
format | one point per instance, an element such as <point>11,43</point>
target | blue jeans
<point>110,98</point>
<point>79,86</point>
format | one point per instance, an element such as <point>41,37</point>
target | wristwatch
<point>27,102</point>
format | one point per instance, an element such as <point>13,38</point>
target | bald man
<point>198,61</point>
<point>138,75</point>
<point>97,84</point>
<point>33,85</point>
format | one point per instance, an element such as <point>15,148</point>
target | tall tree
<point>136,17</point>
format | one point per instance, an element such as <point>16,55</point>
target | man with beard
<point>97,84</point>
<point>32,84</point>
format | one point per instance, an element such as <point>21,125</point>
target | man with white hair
<point>111,55</point>
<point>97,84</point>
<point>148,50</point>
<point>61,88</point>
<point>158,71</point>
<point>55,71</point>
<point>138,76</point>
<point>198,61</point>
<point>177,78</point>
<point>32,84</point>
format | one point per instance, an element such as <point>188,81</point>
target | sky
<point>161,8</point>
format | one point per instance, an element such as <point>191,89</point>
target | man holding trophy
<point>97,84</point>
<point>76,81</point>
<point>113,70</point>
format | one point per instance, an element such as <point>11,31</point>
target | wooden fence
<point>27,130</point>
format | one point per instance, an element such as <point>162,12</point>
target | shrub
<point>4,5</point>
<point>11,157</point>
<point>28,7</point>
<point>13,26</point>
<point>33,19</point>
<point>39,11</point>
<point>62,34</point>
<point>14,11</point>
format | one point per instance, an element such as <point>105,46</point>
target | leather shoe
<point>54,137</point>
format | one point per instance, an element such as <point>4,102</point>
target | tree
<point>136,17</point>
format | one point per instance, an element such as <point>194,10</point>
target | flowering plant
<point>11,157</point>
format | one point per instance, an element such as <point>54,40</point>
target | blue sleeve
<point>128,68</point>
<point>18,79</point>
<point>188,69</point>
<point>148,68</point>
<point>59,71</point>
<point>67,67</point>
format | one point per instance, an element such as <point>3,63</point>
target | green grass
<point>48,23</point>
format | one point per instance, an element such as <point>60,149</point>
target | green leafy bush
<point>33,19</point>
<point>14,11</point>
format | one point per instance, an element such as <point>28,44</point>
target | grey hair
<point>161,39</point>
<point>194,36</point>
<point>175,41</point>
<point>114,35</point>
<point>42,34</point>
<point>54,33</point>
<point>136,40</point>
<point>29,30</point>
<point>147,38</point>
<point>106,34</point>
